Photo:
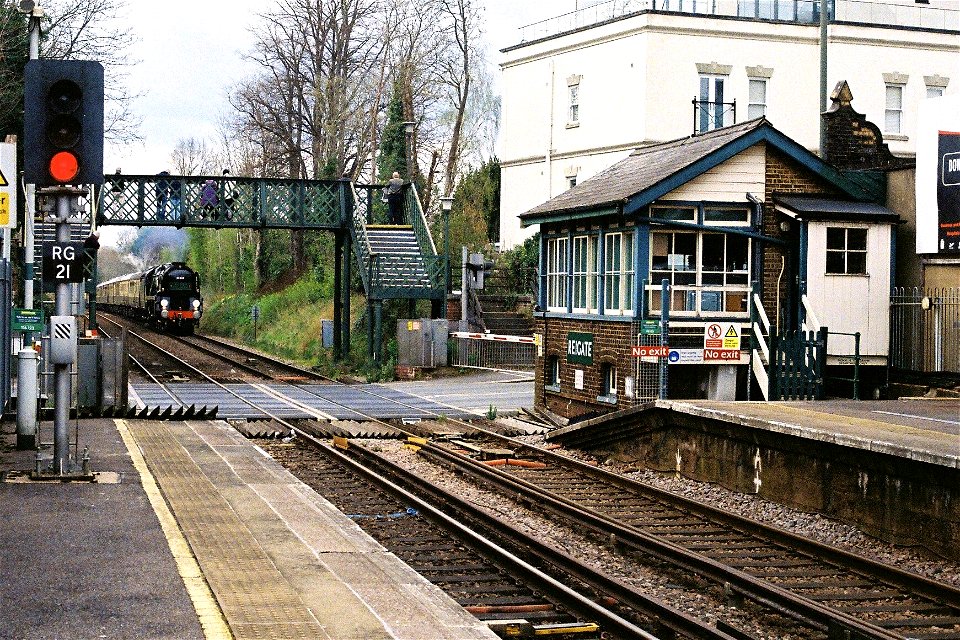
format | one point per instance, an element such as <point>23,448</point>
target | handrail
<point>811,318</point>
<point>758,304</point>
<point>419,222</point>
<point>361,242</point>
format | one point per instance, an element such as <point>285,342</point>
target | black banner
<point>948,193</point>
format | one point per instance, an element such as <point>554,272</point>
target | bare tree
<point>456,72</point>
<point>95,30</point>
<point>191,157</point>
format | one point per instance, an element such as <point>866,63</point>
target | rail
<point>925,329</point>
<point>855,380</point>
<point>220,201</point>
<point>418,221</point>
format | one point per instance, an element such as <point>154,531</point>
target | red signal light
<point>64,167</point>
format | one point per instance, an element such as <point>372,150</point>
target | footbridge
<point>397,261</point>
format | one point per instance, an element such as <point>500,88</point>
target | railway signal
<point>63,122</point>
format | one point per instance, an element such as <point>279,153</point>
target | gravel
<point>685,592</point>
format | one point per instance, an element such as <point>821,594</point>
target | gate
<point>492,351</point>
<point>798,362</point>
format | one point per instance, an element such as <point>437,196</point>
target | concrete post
<point>27,361</point>
<point>61,372</point>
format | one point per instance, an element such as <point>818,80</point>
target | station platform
<point>191,531</point>
<point>925,430</point>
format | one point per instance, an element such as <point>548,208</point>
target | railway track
<point>476,559</point>
<point>251,361</point>
<point>836,591</point>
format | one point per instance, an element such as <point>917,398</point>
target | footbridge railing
<point>221,201</point>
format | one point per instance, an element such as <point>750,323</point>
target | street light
<point>446,203</point>
<point>408,131</point>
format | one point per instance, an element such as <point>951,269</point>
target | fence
<point>492,351</point>
<point>925,330</point>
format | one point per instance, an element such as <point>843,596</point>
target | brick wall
<point>611,343</point>
<point>783,176</point>
<point>853,142</point>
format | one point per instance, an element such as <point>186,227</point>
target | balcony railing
<point>893,13</point>
<point>708,115</point>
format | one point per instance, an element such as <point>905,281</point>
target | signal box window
<point>846,251</point>
<point>552,374</point>
<point>608,382</point>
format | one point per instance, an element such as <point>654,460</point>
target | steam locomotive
<point>166,296</point>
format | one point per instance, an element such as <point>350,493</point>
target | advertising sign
<point>948,193</point>
<point>938,176</point>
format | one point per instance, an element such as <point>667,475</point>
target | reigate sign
<point>580,347</point>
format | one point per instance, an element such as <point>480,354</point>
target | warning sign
<point>721,335</point>
<point>8,189</point>
<point>731,337</point>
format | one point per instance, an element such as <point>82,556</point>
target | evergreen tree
<point>393,145</point>
<point>475,220</point>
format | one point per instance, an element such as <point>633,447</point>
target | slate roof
<point>656,169</point>
<point>641,169</point>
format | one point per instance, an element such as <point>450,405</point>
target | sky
<point>190,53</point>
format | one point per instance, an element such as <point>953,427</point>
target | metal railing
<point>854,359</point>
<point>418,221</point>
<point>220,201</point>
<point>708,115</point>
<point>358,228</point>
<point>925,330</point>
<point>492,351</point>
<point>885,12</point>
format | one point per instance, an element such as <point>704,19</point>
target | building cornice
<point>578,153</point>
<point>734,31</point>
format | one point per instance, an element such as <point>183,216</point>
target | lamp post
<point>446,203</point>
<point>408,136</point>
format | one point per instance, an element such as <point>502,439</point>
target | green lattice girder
<point>239,202</point>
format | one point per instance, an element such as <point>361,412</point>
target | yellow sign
<point>731,337</point>
<point>8,189</point>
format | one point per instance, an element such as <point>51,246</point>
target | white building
<point>584,89</point>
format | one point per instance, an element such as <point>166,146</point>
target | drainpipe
<point>549,156</point>
<point>824,8</point>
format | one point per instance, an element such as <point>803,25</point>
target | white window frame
<point>708,102</point>
<point>734,275</point>
<point>934,91</point>
<point>726,223</point>
<point>557,269</point>
<point>846,251</point>
<point>584,273</point>
<point>573,102</point>
<point>609,380</point>
<point>893,108</point>
<point>619,272</point>
<point>552,372</point>
<point>756,108</point>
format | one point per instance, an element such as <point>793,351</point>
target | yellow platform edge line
<point>211,618</point>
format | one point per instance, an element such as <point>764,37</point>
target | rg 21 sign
<point>63,262</point>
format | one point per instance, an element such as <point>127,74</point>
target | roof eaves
<point>566,215</point>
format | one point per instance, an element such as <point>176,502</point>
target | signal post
<point>63,148</point>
